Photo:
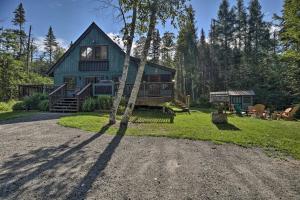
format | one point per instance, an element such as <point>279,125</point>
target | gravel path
<point>42,160</point>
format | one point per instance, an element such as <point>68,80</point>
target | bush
<point>19,106</point>
<point>4,107</point>
<point>44,105</point>
<point>121,109</point>
<point>89,105</point>
<point>297,114</point>
<point>104,102</point>
<point>7,106</point>
<point>32,102</point>
<point>202,102</point>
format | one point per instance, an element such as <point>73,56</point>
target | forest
<point>241,51</point>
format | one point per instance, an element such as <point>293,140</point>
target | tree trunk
<point>118,98</point>
<point>137,83</point>
<point>28,50</point>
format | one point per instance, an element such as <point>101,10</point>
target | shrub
<point>44,105</point>
<point>4,107</point>
<point>297,114</point>
<point>32,102</point>
<point>7,106</point>
<point>89,105</point>
<point>104,102</point>
<point>121,109</point>
<point>19,106</point>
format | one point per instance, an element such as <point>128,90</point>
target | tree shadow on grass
<point>227,127</point>
<point>36,171</point>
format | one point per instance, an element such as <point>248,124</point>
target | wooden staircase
<point>58,102</point>
<point>66,104</point>
<point>182,101</point>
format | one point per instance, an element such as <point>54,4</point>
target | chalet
<point>93,66</point>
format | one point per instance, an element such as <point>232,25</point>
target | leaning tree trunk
<point>138,79</point>
<point>117,100</point>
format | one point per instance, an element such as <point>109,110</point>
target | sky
<point>70,18</point>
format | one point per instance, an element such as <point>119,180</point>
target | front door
<point>70,82</point>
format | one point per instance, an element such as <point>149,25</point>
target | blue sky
<point>69,18</point>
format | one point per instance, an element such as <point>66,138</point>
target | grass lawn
<point>282,136</point>
<point>13,114</point>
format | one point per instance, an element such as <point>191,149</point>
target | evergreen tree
<point>224,33</point>
<point>139,47</point>
<point>241,24</point>
<point>290,37</point>
<point>187,54</point>
<point>19,20</point>
<point>167,49</point>
<point>50,44</point>
<point>155,47</point>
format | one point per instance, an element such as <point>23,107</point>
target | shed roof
<point>241,93</point>
<point>234,93</point>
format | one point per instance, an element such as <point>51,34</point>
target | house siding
<point>70,65</point>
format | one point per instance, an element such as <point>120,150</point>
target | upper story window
<point>94,52</point>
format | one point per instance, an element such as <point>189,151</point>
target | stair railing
<point>83,94</point>
<point>185,99</point>
<point>57,94</point>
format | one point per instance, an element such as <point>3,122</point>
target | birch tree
<point>129,32</point>
<point>158,10</point>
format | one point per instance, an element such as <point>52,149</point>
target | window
<point>86,53</point>
<point>247,100</point>
<point>71,82</point>
<point>165,78</point>
<point>94,53</point>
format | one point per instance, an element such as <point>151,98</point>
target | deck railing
<point>150,89</point>
<point>182,98</point>
<point>84,93</point>
<point>57,94</point>
<point>29,89</point>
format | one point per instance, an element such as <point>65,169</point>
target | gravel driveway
<point>42,160</point>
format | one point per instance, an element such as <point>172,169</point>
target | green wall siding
<point>69,66</point>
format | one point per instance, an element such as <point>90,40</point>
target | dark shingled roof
<point>94,25</point>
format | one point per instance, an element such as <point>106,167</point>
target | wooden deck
<point>150,94</point>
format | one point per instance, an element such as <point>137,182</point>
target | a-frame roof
<point>83,35</point>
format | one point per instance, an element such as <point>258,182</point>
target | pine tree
<point>241,24</point>
<point>139,47</point>
<point>155,47</point>
<point>50,44</point>
<point>186,54</point>
<point>19,20</point>
<point>224,33</point>
<point>167,49</point>
<point>290,37</point>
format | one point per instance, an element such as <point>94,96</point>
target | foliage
<point>32,102</point>
<point>44,105</point>
<point>20,60</point>
<point>297,114</point>
<point>279,135</point>
<point>50,44</point>
<point>19,106</point>
<point>89,105</point>
<point>7,106</point>
<point>104,102</point>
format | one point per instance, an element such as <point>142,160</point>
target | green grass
<point>282,136</point>
<point>14,114</point>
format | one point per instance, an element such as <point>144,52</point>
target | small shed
<point>238,98</point>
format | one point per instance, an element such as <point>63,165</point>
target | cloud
<point>39,41</point>
<point>118,40</point>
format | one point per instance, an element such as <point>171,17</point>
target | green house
<point>93,66</point>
